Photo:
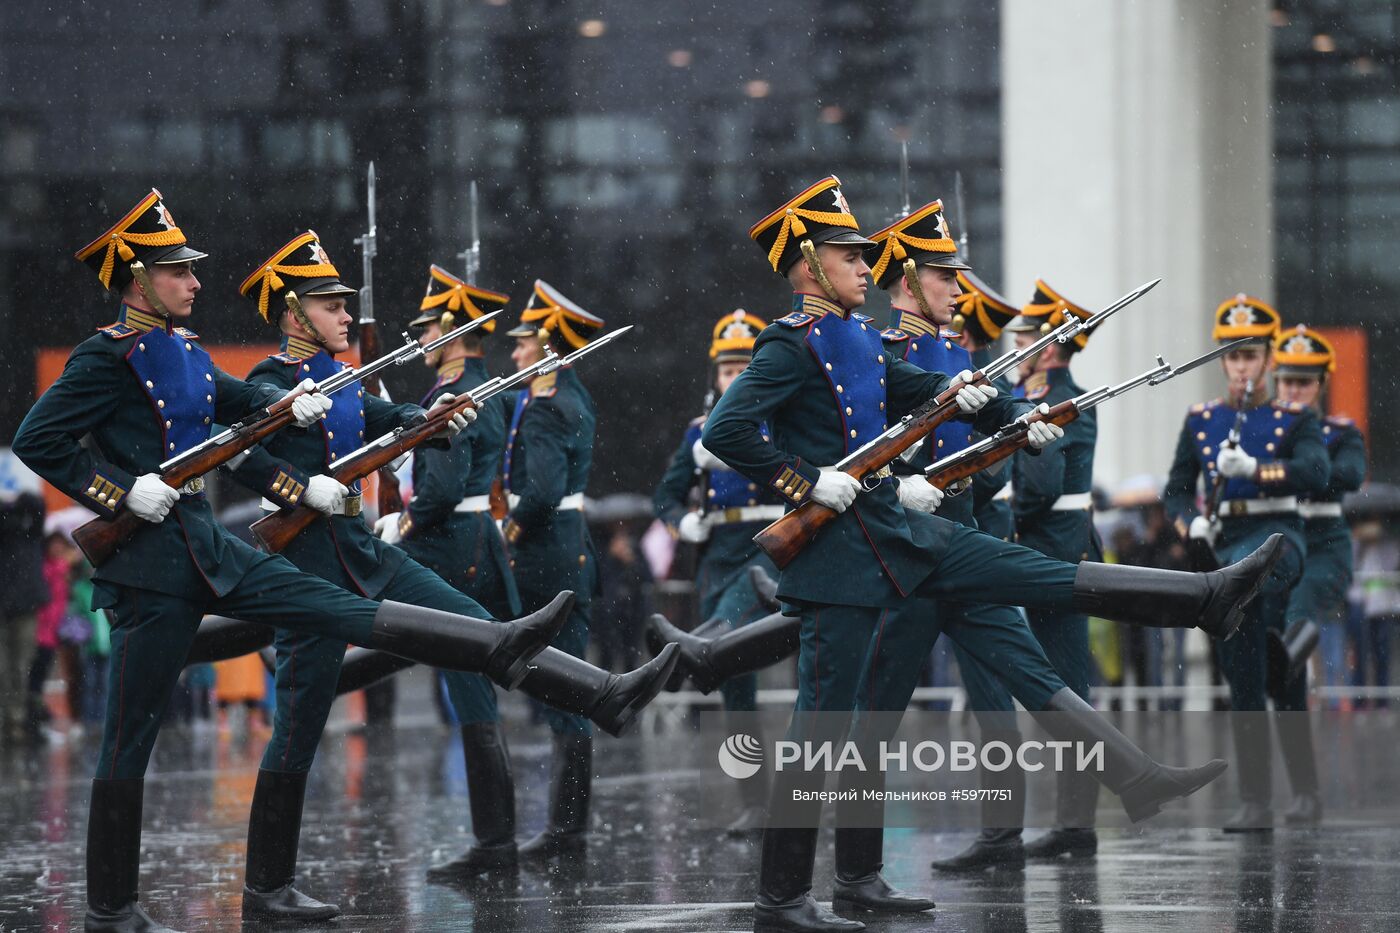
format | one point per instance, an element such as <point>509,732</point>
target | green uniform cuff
<point>105,491</point>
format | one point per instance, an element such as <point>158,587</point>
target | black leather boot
<point>570,793</point>
<point>859,884</point>
<point>219,639</point>
<point>1254,753</point>
<point>1296,742</point>
<point>1214,602</point>
<point>365,667</point>
<point>491,796</point>
<point>274,830</point>
<point>1142,784</point>
<point>712,661</point>
<point>1288,654</point>
<point>1076,800</point>
<point>785,903</point>
<point>501,650</point>
<point>766,588</point>
<point>114,859</point>
<point>998,845</point>
<point>611,701</point>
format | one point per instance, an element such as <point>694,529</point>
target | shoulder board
<point>796,319</point>
<point>1290,407</point>
<point>545,393</point>
<point>286,358</point>
<point>949,333</point>
<point>1037,386</point>
<point>861,317</point>
<point>118,330</point>
<point>186,333</point>
<point>1204,406</point>
<point>893,334</point>
<point>1340,421</point>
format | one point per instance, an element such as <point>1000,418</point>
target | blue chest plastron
<point>521,401</point>
<point>727,489</point>
<point>343,428</point>
<point>178,376</point>
<point>940,354</point>
<point>1261,436</point>
<point>852,358</point>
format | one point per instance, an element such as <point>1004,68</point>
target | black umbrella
<point>1374,500</point>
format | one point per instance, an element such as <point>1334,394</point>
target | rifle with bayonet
<point>1199,551</point>
<point>100,538</point>
<point>388,498</point>
<point>1013,437</point>
<point>274,532</point>
<point>787,536</point>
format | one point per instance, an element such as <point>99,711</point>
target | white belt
<point>1320,509</point>
<point>1003,494</point>
<point>568,503</point>
<point>352,507</point>
<point>1073,502</point>
<point>745,513</point>
<point>1235,508</point>
<point>474,504</point>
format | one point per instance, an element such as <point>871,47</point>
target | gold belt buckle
<point>1238,507</point>
<point>733,514</point>
<point>885,472</point>
<point>193,488</point>
<point>353,505</point>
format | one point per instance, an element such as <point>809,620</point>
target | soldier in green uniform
<point>824,384</point>
<point>1304,362</point>
<point>144,390</point>
<point>732,510</point>
<point>549,452</point>
<point>1256,481</point>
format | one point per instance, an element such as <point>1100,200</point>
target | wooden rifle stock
<point>786,537</point>
<point>274,532</point>
<point>100,538</point>
<point>1061,415</point>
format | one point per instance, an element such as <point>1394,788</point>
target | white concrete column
<point>1137,143</point>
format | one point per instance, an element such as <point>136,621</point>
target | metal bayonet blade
<point>1202,360</point>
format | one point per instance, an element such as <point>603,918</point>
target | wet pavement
<point>382,805</point>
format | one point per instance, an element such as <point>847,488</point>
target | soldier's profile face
<point>175,286</point>
<point>1247,364</point>
<point>727,372</point>
<point>846,269</point>
<point>1300,390</point>
<point>331,318</point>
<point>941,290</point>
<point>431,331</point>
<point>528,351</point>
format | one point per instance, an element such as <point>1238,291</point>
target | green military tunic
<point>1287,441</point>
<point>549,453</point>
<point>342,550</point>
<point>1321,595</point>
<point>144,391</point>
<point>449,527</point>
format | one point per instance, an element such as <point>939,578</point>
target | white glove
<point>458,422</point>
<point>151,498</point>
<point>970,397</point>
<point>1234,463</point>
<point>835,490</point>
<point>693,528</point>
<point>1204,529</point>
<point>1041,433</point>
<point>309,407</point>
<point>706,460</point>
<point>325,494</point>
<point>918,494</point>
<point>387,528</point>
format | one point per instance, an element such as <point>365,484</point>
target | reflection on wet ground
<point>382,805</point>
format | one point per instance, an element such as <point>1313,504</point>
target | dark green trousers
<point>1244,658</point>
<point>152,632</point>
<point>308,667</point>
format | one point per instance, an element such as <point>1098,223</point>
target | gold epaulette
<point>118,330</point>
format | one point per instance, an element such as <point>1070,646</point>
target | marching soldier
<point>144,390</point>
<point>981,317</point>
<point>732,510</point>
<point>1256,458</point>
<point>549,451</point>
<point>1051,504</point>
<point>824,384</point>
<point>1305,362</point>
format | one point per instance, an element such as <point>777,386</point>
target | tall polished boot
<point>491,796</point>
<point>563,681</point>
<point>712,661</point>
<point>859,884</point>
<point>501,650</point>
<point>1076,800</point>
<point>220,638</point>
<point>998,845</point>
<point>1295,741</point>
<point>1214,602</point>
<point>114,859</point>
<point>1254,751</point>
<point>570,794</point>
<point>785,903</point>
<point>1142,784</point>
<point>274,831</point>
